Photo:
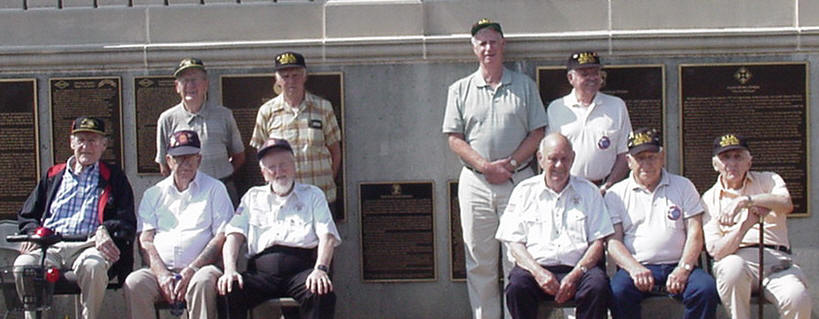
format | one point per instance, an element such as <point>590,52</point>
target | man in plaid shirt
<point>306,121</point>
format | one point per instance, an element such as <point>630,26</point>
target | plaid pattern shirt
<point>74,209</point>
<point>309,130</point>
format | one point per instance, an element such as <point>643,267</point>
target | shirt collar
<point>69,166</point>
<point>543,189</point>
<point>480,82</point>
<point>572,99</point>
<point>732,193</point>
<point>193,186</point>
<point>664,181</point>
<point>203,112</point>
<point>281,103</point>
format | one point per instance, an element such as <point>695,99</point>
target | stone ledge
<point>33,59</point>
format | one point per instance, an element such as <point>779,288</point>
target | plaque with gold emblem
<point>99,97</point>
<point>19,152</point>
<point>152,96</point>
<point>764,102</point>
<point>397,231</point>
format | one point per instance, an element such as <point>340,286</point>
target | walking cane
<point>761,299</point>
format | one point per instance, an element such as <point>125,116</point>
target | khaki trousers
<point>481,205</point>
<point>142,291</point>
<point>89,266</point>
<point>783,285</point>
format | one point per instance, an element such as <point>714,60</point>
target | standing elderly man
<point>657,239</point>
<point>554,227</point>
<point>494,120</point>
<point>596,123</point>
<point>84,196</point>
<point>222,148</point>
<point>290,237</point>
<point>307,121</point>
<point>180,224</point>
<point>734,207</point>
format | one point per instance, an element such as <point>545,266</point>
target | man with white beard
<point>290,237</point>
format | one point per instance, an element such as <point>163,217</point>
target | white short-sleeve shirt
<point>598,132</point>
<point>184,221</point>
<point>556,228</point>
<point>296,220</point>
<point>654,227</point>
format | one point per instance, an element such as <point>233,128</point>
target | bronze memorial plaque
<point>765,102</point>
<point>244,94</point>
<point>152,96</point>
<point>19,152</point>
<point>457,254</point>
<point>642,87</point>
<point>100,97</point>
<point>397,239</point>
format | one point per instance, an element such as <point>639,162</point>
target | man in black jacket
<point>84,196</point>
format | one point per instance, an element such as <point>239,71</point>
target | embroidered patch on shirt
<point>674,212</point>
<point>604,143</point>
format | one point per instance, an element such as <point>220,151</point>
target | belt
<point>781,248</point>
<point>517,170</point>
<point>598,182</point>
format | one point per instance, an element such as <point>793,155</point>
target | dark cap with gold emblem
<point>88,124</point>
<point>729,142</point>
<point>184,142</point>
<point>289,60</point>
<point>486,23</point>
<point>189,63</point>
<point>272,143</point>
<point>583,60</point>
<point>644,139</point>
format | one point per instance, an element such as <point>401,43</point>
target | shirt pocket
<point>315,133</point>
<point>576,226</point>
<point>298,229</point>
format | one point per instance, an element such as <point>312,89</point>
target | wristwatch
<point>688,267</point>
<point>323,268</point>
<point>514,163</point>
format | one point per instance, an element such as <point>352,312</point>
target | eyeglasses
<point>185,159</point>
<point>86,141</point>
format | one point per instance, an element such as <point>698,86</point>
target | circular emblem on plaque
<point>604,143</point>
<point>674,212</point>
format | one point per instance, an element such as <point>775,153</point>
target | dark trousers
<point>699,297</point>
<point>591,298</point>
<point>279,272</point>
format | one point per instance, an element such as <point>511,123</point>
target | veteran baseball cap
<point>486,23</point>
<point>184,142</point>
<point>583,59</point>
<point>644,139</point>
<point>272,143</point>
<point>88,124</point>
<point>729,142</point>
<point>289,60</point>
<point>189,63</point>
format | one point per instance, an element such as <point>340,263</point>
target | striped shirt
<point>74,208</point>
<point>310,130</point>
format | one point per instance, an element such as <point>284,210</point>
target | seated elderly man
<point>84,196</point>
<point>657,239</point>
<point>283,222</point>
<point>554,226</point>
<point>180,224</point>
<point>734,207</point>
